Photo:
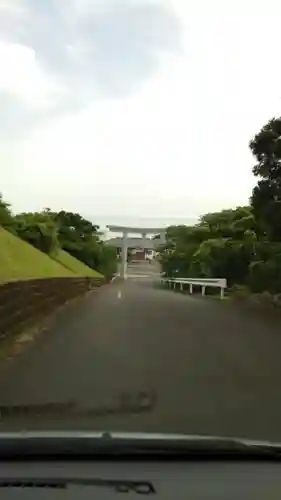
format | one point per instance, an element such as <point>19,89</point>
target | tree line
<point>50,231</point>
<point>241,244</point>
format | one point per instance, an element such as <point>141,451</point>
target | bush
<point>267,300</point>
<point>240,291</point>
<point>266,275</point>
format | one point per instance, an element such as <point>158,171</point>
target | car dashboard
<point>115,479</point>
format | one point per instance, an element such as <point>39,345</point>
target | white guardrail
<point>203,282</point>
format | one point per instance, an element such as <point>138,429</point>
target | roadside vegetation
<point>46,243</point>
<point>74,265</point>
<point>19,260</point>
<point>241,244</point>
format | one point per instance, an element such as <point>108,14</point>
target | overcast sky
<point>136,108</point>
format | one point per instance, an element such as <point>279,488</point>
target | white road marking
<point>119,294</point>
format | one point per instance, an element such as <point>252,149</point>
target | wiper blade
<point>189,446</point>
<point>127,403</point>
<point>69,445</point>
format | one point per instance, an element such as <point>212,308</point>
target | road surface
<point>215,370</point>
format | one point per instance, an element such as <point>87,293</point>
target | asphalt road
<point>214,369</point>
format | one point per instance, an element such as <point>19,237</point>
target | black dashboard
<point>189,480</point>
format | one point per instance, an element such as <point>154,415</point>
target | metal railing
<point>203,282</point>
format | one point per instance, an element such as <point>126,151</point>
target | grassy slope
<point>19,260</point>
<point>75,265</point>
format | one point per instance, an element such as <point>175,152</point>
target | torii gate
<point>135,230</point>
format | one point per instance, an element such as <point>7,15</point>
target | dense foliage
<point>49,231</point>
<point>6,218</point>
<point>241,244</point>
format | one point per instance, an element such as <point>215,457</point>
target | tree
<point>231,223</point>
<point>222,244</point>
<point>266,196</point>
<point>108,260</point>
<point>73,228</point>
<point>77,236</point>
<point>6,218</point>
<point>266,147</point>
<point>266,203</point>
<point>39,229</point>
<point>81,238</point>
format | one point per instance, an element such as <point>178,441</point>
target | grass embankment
<point>20,261</point>
<point>75,265</point>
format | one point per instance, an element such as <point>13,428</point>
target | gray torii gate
<point>135,230</point>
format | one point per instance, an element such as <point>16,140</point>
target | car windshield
<point>140,219</point>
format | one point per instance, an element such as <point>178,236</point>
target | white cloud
<point>22,76</point>
<point>178,146</point>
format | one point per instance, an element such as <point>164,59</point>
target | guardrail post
<point>190,288</point>
<point>222,293</point>
<point>175,284</point>
<point>203,290</point>
<point>181,287</point>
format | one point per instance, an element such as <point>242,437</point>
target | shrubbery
<point>49,231</point>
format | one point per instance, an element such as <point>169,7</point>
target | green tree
<point>39,229</point>
<point>266,196</point>
<point>222,244</point>
<point>6,217</point>
<point>81,238</point>
<point>108,260</point>
<point>74,229</point>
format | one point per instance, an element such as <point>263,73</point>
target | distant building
<point>138,248</point>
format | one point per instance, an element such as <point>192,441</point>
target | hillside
<point>75,265</point>
<point>19,260</point>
